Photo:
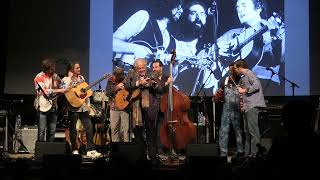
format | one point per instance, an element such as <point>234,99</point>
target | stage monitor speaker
<point>49,148</point>
<point>126,152</point>
<point>199,155</point>
<point>26,142</point>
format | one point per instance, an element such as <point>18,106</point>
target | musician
<point>136,80</point>
<point>73,78</point>
<point>154,110</point>
<point>151,27</point>
<point>193,67</point>
<point>119,119</point>
<point>230,112</point>
<point>253,99</point>
<point>267,50</point>
<point>47,84</point>
<point>146,108</point>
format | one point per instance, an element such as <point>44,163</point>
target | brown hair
<point>118,74</point>
<point>47,64</point>
<point>70,66</point>
<point>241,63</point>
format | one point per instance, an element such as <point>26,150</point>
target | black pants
<point>86,122</point>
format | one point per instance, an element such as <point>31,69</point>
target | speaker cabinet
<point>126,152</point>
<point>200,155</point>
<point>25,142</point>
<point>49,148</point>
<point>202,150</point>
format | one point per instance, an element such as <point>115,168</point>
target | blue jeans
<point>47,120</point>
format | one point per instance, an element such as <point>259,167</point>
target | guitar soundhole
<point>83,93</point>
<point>82,96</point>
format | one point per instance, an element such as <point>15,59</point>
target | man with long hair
<point>47,84</point>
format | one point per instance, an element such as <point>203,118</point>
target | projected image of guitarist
<point>147,31</point>
<point>260,42</point>
<point>78,102</point>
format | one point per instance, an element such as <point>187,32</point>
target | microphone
<point>269,69</point>
<point>212,10</point>
<point>17,101</point>
<point>272,71</point>
<point>12,101</point>
<point>115,62</point>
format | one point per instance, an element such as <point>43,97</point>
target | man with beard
<point>145,32</point>
<point>193,62</point>
<point>47,85</point>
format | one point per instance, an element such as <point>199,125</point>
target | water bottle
<point>200,119</point>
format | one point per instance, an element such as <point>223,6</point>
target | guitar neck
<point>250,38</point>
<point>94,83</point>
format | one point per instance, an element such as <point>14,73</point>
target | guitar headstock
<point>107,75</point>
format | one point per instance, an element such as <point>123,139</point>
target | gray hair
<point>139,60</point>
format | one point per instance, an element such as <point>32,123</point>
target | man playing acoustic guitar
<point>119,118</point>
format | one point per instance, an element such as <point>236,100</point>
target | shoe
<point>75,152</point>
<point>94,154</point>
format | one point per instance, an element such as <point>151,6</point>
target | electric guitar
<point>77,95</point>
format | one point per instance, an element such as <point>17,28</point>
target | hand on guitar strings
<point>120,86</point>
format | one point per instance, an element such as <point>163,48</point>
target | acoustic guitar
<point>76,96</point>
<point>124,98</point>
<point>102,135</point>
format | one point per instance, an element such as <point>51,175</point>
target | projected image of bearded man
<point>190,47</point>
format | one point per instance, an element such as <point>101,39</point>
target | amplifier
<point>27,142</point>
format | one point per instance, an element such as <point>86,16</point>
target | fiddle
<point>218,96</point>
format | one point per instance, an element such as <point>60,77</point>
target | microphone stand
<point>214,11</point>
<point>293,85</point>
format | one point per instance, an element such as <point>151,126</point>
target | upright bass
<point>176,130</point>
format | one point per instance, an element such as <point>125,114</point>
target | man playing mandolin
<point>260,42</point>
<point>145,109</point>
